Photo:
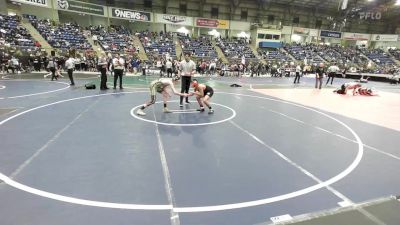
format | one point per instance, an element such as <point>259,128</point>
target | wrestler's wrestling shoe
<point>211,111</point>
<point>200,110</point>
<point>140,112</point>
<point>166,110</point>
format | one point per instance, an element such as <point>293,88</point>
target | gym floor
<point>75,156</point>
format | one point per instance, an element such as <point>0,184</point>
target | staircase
<point>178,47</point>
<point>36,36</point>
<point>142,52</point>
<point>254,50</point>
<point>96,48</point>
<point>219,52</point>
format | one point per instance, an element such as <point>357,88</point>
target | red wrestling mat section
<point>382,110</point>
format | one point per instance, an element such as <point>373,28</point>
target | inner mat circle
<point>204,114</point>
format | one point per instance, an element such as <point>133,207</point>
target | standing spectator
<point>52,65</point>
<point>159,66</point>
<point>332,70</point>
<point>168,64</point>
<point>297,77</point>
<point>212,67</point>
<point>94,38</point>
<point>319,75</point>
<point>102,64</point>
<point>188,67</point>
<point>15,64</point>
<point>119,65</point>
<point>77,64</point>
<point>70,65</point>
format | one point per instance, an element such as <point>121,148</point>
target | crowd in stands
<point>12,34</point>
<point>157,43</point>
<point>306,52</point>
<point>235,48</point>
<point>274,55</point>
<point>378,56</point>
<point>64,35</point>
<point>113,39</point>
<point>200,47</point>
<point>395,53</point>
<point>160,49</point>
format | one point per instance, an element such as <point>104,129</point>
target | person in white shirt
<point>52,66</point>
<point>332,70</point>
<point>159,66</point>
<point>212,67</point>
<point>168,65</point>
<point>119,65</point>
<point>94,38</point>
<point>70,65</point>
<point>187,68</point>
<point>298,71</point>
<point>102,65</point>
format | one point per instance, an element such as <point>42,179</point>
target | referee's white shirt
<point>70,63</point>
<point>119,64</point>
<point>187,67</point>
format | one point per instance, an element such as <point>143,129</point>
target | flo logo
<point>63,4</point>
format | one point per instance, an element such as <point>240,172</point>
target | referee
<point>119,66</point>
<point>188,68</point>
<point>70,65</point>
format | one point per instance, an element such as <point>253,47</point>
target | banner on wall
<point>301,31</point>
<point>384,37</point>
<point>330,34</point>
<point>41,3</point>
<point>356,36</point>
<point>174,19</point>
<point>80,7</point>
<point>130,14</point>
<point>220,24</point>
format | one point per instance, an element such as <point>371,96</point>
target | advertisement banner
<point>384,37</point>
<point>173,19</point>
<point>330,34</point>
<point>80,7</point>
<point>301,31</point>
<point>220,24</point>
<point>130,14</point>
<point>356,36</point>
<point>41,3</point>
<point>314,32</point>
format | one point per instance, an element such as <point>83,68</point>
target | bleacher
<point>301,52</point>
<point>198,47</point>
<point>395,53</point>
<point>114,39</point>
<point>379,57</point>
<point>157,43</point>
<point>235,48</point>
<point>12,34</point>
<point>273,55</point>
<point>63,36</point>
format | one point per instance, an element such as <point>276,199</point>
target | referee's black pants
<point>118,74</point>
<point>185,87</point>
<point>103,79</point>
<point>71,78</point>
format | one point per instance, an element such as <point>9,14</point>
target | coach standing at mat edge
<point>188,68</point>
